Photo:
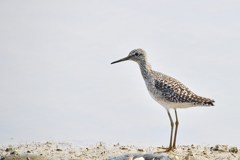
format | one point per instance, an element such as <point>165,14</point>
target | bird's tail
<point>205,101</point>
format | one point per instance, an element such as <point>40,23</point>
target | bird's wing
<point>174,91</point>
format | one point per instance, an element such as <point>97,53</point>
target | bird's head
<point>137,55</point>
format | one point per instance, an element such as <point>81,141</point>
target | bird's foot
<point>165,149</point>
<point>170,149</point>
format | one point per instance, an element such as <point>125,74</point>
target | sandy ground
<point>64,151</point>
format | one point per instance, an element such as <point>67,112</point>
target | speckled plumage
<point>175,92</point>
<point>167,91</point>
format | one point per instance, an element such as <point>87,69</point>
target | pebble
<point>13,152</point>
<point>123,148</point>
<point>8,149</point>
<point>141,158</point>
<point>192,146</point>
<point>233,150</point>
<point>221,148</point>
<point>140,150</point>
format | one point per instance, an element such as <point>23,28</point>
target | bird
<point>167,91</point>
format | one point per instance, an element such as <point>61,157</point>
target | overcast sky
<point>57,82</point>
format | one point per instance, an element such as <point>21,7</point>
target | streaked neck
<point>145,68</point>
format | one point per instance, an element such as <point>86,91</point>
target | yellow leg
<point>176,129</point>
<point>172,126</point>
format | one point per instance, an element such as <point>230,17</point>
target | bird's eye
<point>136,54</point>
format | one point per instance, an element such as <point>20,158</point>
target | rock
<point>8,149</point>
<point>58,149</point>
<point>156,157</point>
<point>123,148</point>
<point>140,150</point>
<point>142,157</point>
<point>233,150</point>
<point>204,152</point>
<point>221,148</point>
<point>13,152</point>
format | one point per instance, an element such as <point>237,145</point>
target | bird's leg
<point>176,129</point>
<point>172,125</point>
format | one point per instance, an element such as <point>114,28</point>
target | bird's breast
<point>155,94</point>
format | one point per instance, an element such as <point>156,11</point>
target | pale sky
<point>57,83</point>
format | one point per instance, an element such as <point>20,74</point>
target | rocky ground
<point>63,151</point>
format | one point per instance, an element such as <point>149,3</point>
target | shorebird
<point>167,91</point>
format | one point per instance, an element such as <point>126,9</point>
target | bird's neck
<point>146,69</point>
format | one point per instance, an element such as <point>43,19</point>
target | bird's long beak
<point>123,59</point>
